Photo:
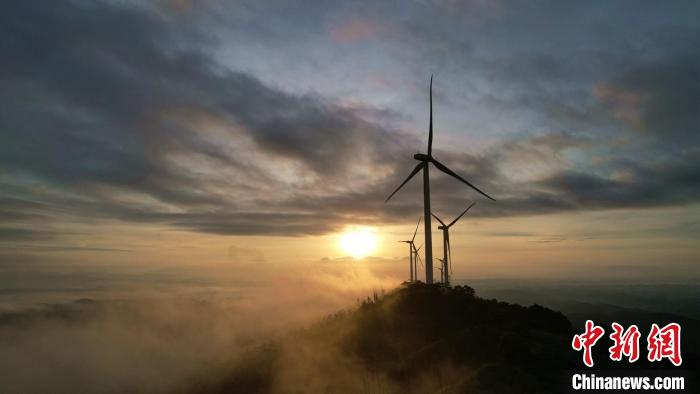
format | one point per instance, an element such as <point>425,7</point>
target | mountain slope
<point>418,338</point>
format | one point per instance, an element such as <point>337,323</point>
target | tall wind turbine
<point>411,247</point>
<point>424,160</point>
<point>446,249</point>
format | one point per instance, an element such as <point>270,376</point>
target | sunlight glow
<point>358,242</point>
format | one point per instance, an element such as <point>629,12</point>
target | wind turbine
<point>424,160</point>
<point>416,259</point>
<point>411,247</point>
<point>446,249</point>
<point>442,270</point>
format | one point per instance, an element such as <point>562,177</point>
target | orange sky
<point>605,245</point>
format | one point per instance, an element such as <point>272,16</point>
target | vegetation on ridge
<point>418,338</point>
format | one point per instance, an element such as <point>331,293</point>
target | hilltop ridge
<point>417,338</point>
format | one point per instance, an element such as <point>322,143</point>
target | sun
<point>358,242</point>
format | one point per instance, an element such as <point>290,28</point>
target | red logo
<point>661,343</point>
<point>586,341</point>
<point>626,343</point>
<point>665,343</point>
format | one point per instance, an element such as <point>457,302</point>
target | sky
<point>183,139</point>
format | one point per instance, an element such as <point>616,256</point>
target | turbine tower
<point>411,247</point>
<point>424,160</point>
<point>446,248</point>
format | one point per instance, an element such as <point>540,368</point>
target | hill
<point>418,338</point>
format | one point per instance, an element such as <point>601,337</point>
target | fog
<point>172,335</point>
<point>218,328</point>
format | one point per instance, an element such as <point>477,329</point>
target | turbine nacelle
<point>421,157</point>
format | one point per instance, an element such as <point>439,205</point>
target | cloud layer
<point>111,110</point>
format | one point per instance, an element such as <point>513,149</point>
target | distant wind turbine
<point>424,159</point>
<point>446,249</point>
<point>442,270</point>
<point>416,259</point>
<point>411,247</point>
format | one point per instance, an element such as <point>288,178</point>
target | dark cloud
<point>661,98</point>
<point>21,234</point>
<point>110,110</point>
<point>100,95</point>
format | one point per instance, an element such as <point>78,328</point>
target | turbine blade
<point>438,219</point>
<point>447,171</point>
<point>416,232</point>
<point>430,130</point>
<point>414,172</point>
<point>462,214</point>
